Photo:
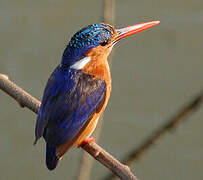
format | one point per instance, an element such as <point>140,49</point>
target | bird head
<point>99,38</point>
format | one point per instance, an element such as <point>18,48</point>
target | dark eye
<point>104,43</point>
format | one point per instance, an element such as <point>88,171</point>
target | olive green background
<point>154,74</point>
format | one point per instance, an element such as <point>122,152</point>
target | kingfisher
<point>78,90</point>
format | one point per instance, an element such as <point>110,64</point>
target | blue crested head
<point>85,40</point>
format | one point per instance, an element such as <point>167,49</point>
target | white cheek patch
<point>81,63</point>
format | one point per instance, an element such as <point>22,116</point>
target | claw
<point>86,141</point>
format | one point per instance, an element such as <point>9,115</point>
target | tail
<point>51,158</point>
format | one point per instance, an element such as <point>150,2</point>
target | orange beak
<point>130,30</point>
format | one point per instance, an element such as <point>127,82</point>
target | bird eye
<point>104,43</point>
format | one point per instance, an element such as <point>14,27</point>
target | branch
<point>21,96</point>
<point>109,12</point>
<point>169,125</point>
<point>26,100</point>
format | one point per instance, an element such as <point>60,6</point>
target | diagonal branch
<point>26,100</point>
<point>169,125</point>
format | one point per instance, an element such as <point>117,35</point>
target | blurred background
<point>154,73</point>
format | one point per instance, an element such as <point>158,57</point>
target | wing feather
<point>69,100</point>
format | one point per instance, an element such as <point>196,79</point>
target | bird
<point>78,90</point>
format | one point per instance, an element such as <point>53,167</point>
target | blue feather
<point>51,158</point>
<point>69,100</point>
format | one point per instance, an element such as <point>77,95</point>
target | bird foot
<point>86,141</point>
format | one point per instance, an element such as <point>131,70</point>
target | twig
<point>109,6</point>
<point>109,161</point>
<point>22,97</point>
<point>87,161</point>
<point>26,100</point>
<point>170,125</point>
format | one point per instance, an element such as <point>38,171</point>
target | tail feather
<point>51,158</point>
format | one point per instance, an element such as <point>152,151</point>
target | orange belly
<point>87,131</point>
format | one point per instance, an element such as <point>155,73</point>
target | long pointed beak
<point>130,30</point>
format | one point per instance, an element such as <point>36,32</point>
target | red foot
<point>87,141</point>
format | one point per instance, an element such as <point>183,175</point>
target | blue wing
<point>69,100</point>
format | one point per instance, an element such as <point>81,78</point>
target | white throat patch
<point>81,63</point>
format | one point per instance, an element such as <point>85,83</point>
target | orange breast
<point>98,65</point>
